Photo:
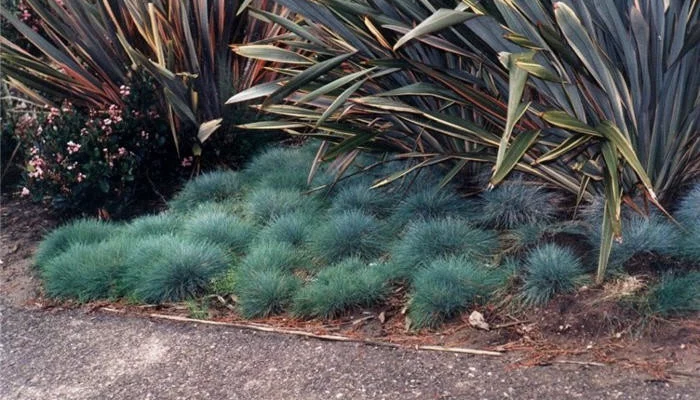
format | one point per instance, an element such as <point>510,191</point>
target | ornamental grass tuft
<point>87,271</point>
<point>549,270</point>
<point>83,231</point>
<point>277,256</point>
<point>447,287</point>
<point>426,240</point>
<point>341,287</point>
<point>212,186</point>
<point>641,234</point>
<point>265,292</point>
<point>687,245</point>
<point>350,234</point>
<point>157,224</point>
<point>675,295</point>
<point>168,268</point>
<point>280,168</point>
<point>515,204</point>
<point>688,211</point>
<point>294,229</point>
<point>265,204</point>
<point>220,228</point>
<point>359,197</point>
<point>427,204</point>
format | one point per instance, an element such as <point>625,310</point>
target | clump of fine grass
<point>168,268</point>
<point>675,295</point>
<point>689,207</point>
<point>350,234</point>
<point>265,292</point>
<point>515,204</point>
<point>87,272</point>
<point>359,197</point>
<point>688,244</point>
<point>223,229</point>
<point>265,204</point>
<point>157,224</point>
<point>280,168</point>
<point>641,234</point>
<point>212,186</point>
<point>84,231</point>
<point>427,204</point>
<point>447,287</point>
<point>341,287</point>
<point>294,229</point>
<point>549,270</point>
<point>277,256</point>
<point>426,240</point>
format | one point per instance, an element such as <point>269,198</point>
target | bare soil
<point>22,225</point>
<point>590,326</point>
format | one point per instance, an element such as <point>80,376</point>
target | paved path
<point>73,355</point>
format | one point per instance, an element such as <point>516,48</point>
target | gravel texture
<point>74,355</point>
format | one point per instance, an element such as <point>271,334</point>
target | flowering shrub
<point>85,160</point>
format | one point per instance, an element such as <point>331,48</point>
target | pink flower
<point>124,90</point>
<point>72,147</point>
<point>187,162</point>
<point>80,177</point>
<point>122,151</point>
<point>25,192</point>
<point>36,167</point>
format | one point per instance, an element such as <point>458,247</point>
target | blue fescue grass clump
<point>360,197</point>
<point>157,224</point>
<point>689,207</point>
<point>514,204</point>
<point>294,229</point>
<point>168,268</point>
<point>265,204</point>
<point>688,215</point>
<point>221,228</point>
<point>641,234</point>
<point>212,186</point>
<point>350,234</point>
<point>265,292</point>
<point>280,168</point>
<point>688,244</point>
<point>87,272</point>
<point>275,256</point>
<point>429,203</point>
<point>426,240</point>
<point>549,270</point>
<point>84,231</point>
<point>447,287</point>
<point>675,295</point>
<point>341,287</point>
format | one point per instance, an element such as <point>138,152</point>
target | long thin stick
<point>265,328</point>
<point>588,363</point>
